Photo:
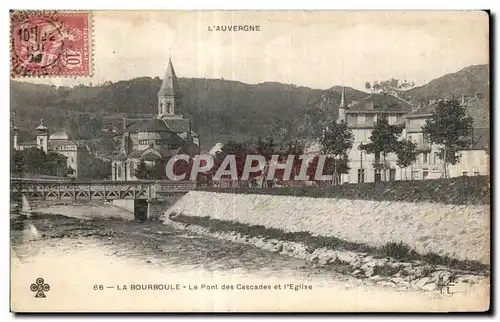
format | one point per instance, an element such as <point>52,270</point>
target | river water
<point>95,259</point>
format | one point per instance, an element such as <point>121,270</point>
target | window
<point>392,174</point>
<point>361,119</point>
<point>476,173</point>
<point>361,175</point>
<point>409,137</point>
<point>378,176</point>
<point>436,157</point>
<point>168,107</point>
<point>377,157</point>
<point>392,119</point>
<point>414,175</point>
<point>41,141</point>
<point>425,174</point>
<point>361,136</point>
<point>119,172</point>
<point>374,118</point>
<point>425,157</point>
<point>464,173</point>
<point>131,166</point>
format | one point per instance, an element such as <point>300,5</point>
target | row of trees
<point>449,127</point>
<point>34,161</point>
<point>265,147</point>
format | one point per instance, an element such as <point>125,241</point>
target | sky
<point>317,49</point>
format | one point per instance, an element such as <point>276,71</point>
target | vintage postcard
<point>249,161</point>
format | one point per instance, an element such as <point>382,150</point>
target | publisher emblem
<point>40,288</point>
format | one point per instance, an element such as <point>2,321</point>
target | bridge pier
<point>140,208</point>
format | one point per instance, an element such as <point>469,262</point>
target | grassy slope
<point>461,190</point>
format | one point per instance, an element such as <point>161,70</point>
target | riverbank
<point>457,231</point>
<point>74,254</point>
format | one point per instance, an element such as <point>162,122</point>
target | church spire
<point>167,95</point>
<point>342,98</point>
<point>342,107</point>
<point>169,83</point>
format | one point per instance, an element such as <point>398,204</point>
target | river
<point>96,259</point>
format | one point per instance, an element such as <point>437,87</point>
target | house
<point>60,147</point>
<point>361,117</point>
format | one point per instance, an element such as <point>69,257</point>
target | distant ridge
<point>220,110</point>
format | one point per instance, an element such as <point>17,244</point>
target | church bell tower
<point>168,96</point>
<point>342,107</point>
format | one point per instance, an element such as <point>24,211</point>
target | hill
<point>469,81</point>
<point>220,110</point>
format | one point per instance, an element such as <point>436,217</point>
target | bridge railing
<point>174,186</point>
<point>108,190</point>
<point>83,189</point>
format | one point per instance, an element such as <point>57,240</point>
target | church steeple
<point>342,107</point>
<point>167,95</point>
<point>342,98</point>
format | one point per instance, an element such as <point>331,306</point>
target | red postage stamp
<point>51,43</point>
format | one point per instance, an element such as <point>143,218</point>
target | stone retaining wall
<point>460,231</point>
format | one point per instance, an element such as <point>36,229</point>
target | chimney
<point>416,107</point>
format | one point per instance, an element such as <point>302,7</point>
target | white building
<point>361,118</point>
<point>76,153</point>
<point>473,161</point>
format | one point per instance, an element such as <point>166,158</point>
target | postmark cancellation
<point>51,43</point>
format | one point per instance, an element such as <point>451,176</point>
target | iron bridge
<point>104,190</point>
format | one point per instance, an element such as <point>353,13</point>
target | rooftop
<point>381,103</point>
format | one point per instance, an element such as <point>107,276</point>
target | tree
<point>384,140</point>
<point>143,171</point>
<point>368,86</point>
<point>69,171</point>
<point>266,148</point>
<point>17,162</point>
<point>99,168</point>
<point>35,161</point>
<point>407,154</point>
<point>449,126</point>
<point>240,150</point>
<point>388,86</point>
<point>337,140</point>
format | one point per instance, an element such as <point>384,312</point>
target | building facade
<point>155,140</point>
<point>76,153</point>
<point>362,116</point>
<point>474,160</point>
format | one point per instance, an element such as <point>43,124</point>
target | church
<point>153,141</point>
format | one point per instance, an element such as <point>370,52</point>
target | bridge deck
<point>106,190</point>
